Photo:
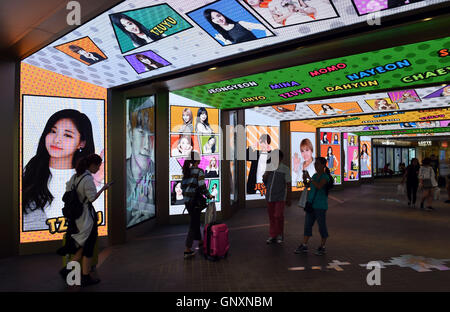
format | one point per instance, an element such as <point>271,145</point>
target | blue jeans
<point>310,219</point>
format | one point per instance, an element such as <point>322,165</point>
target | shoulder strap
<point>81,180</point>
<point>79,184</point>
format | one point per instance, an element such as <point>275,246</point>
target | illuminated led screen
<point>351,157</point>
<point>371,71</point>
<point>140,160</point>
<point>330,149</point>
<point>56,132</point>
<point>365,156</point>
<point>303,147</point>
<point>193,127</point>
<point>104,51</point>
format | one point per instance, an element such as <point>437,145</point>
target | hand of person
<point>211,197</point>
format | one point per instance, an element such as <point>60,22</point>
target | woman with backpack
<point>82,233</point>
<point>320,184</point>
<point>194,188</point>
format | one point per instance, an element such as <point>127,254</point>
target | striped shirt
<point>194,182</point>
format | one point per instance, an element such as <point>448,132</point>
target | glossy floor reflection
<point>366,223</point>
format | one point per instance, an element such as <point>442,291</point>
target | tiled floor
<point>373,223</point>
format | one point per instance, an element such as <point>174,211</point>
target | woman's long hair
<point>329,185</point>
<point>364,151</point>
<point>194,157</point>
<point>219,29</point>
<point>173,195</point>
<point>200,111</point>
<point>85,162</point>
<point>139,57</point>
<point>139,41</point>
<point>213,148</point>
<point>37,173</point>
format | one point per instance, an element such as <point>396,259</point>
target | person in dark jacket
<point>412,181</point>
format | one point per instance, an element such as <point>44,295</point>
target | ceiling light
<point>427,19</point>
<point>212,68</point>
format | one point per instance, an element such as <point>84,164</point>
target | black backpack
<point>73,208</point>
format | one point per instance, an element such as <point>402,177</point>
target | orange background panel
<point>176,117</point>
<point>38,81</point>
<point>174,142</point>
<point>85,43</point>
<point>301,126</point>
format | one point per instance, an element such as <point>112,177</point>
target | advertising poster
<point>285,108</point>
<point>193,128</point>
<point>56,133</point>
<point>366,6</point>
<point>83,50</point>
<point>228,22</point>
<point>199,120</point>
<point>333,109</point>
<point>351,150</point>
<point>303,154</point>
<point>365,156</point>
<point>143,62</point>
<point>330,148</point>
<point>404,96</point>
<point>261,140</point>
<point>136,28</point>
<point>382,104</point>
<point>140,162</point>
<point>283,13</point>
<point>443,91</point>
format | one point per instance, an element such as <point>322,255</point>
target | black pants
<point>194,225</point>
<point>411,191</point>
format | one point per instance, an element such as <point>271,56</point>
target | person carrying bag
<point>317,206</point>
<point>194,190</point>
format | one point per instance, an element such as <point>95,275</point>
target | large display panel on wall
<point>193,127</point>
<point>330,149</point>
<point>365,156</point>
<point>303,154</point>
<point>351,157</point>
<point>263,136</point>
<point>140,160</point>
<point>55,133</point>
<point>112,48</point>
<point>391,68</point>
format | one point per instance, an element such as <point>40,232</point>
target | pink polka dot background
<point>368,6</point>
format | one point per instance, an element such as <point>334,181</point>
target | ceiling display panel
<point>189,33</point>
<point>398,67</point>
<point>379,104</point>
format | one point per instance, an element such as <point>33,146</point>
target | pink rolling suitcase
<point>216,244</point>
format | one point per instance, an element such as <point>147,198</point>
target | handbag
<point>303,198</point>
<point>309,204</point>
<point>211,213</point>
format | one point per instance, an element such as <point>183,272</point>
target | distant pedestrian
<point>318,196</point>
<point>194,190</point>
<point>428,182</point>
<point>412,181</point>
<point>278,183</point>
